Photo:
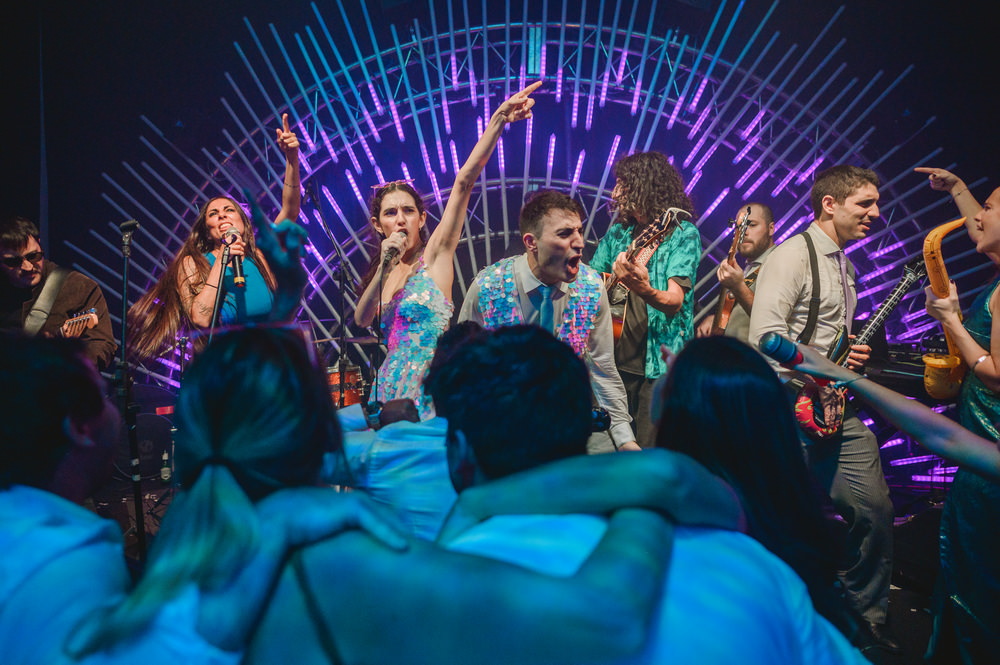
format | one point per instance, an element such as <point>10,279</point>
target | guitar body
<point>723,310</point>
<point>808,409</point>
<point>617,298</point>
<point>650,236</point>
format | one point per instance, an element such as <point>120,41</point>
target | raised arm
<point>429,605</point>
<point>282,246</point>
<point>291,191</point>
<point>658,479</point>
<point>968,206</point>
<point>937,433</point>
<point>440,250</point>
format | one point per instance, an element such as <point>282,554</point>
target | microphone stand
<point>129,408</point>
<point>218,290</point>
<point>310,189</point>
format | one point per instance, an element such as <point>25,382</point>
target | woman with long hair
<point>723,405</point>
<point>410,279</point>
<point>184,296</point>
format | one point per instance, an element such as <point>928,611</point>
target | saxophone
<point>943,373</point>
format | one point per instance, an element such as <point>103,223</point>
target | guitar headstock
<point>742,226</point>
<point>915,269</point>
<point>78,323</point>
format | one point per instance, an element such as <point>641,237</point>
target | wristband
<point>979,360</point>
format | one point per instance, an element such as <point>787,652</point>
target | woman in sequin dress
<point>411,279</point>
<point>968,615</point>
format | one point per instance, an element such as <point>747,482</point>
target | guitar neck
<point>885,309</point>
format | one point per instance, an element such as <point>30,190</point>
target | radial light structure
<point>743,111</point>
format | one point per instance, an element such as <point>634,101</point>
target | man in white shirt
<point>845,203</point>
<point>550,286</point>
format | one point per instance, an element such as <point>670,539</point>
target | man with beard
<point>658,308</point>
<point>550,286</point>
<point>758,241</point>
<point>787,301</point>
<point>40,298</point>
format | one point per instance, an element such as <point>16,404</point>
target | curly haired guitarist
<point>658,278</point>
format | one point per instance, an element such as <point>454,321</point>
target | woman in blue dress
<point>968,612</point>
<point>184,297</point>
<point>410,280</point>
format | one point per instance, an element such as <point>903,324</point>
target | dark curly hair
<point>647,185</point>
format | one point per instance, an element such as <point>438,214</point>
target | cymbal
<point>369,340</point>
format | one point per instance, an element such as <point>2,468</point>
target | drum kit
<point>347,383</point>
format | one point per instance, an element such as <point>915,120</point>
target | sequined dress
<point>412,322</point>
<point>968,595</point>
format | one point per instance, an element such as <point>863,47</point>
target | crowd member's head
<point>57,430</point>
<point>255,403</point>
<point>21,253</point>
<point>253,416</point>
<point>515,397</point>
<point>551,227</point>
<point>846,197</point>
<point>645,186</point>
<point>759,235</point>
<point>723,405</point>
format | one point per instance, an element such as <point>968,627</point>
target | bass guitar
<point>808,409</point>
<point>649,237</point>
<point>727,300</point>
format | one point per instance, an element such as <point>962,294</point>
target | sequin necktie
<point>545,312</point>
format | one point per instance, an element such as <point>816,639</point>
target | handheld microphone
<point>392,252</point>
<point>781,349</point>
<point>785,351</point>
<point>238,278</point>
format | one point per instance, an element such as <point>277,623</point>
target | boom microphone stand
<point>310,189</point>
<point>128,406</point>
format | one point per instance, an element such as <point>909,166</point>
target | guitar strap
<point>806,335</point>
<point>40,311</point>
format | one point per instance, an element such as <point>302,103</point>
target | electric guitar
<point>651,235</point>
<point>808,409</point>
<point>74,326</point>
<point>727,300</point>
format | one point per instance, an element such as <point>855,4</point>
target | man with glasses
<point>40,298</point>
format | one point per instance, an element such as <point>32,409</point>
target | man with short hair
<point>40,298</point>
<point>758,241</point>
<point>550,286</point>
<point>517,399</point>
<point>847,463</point>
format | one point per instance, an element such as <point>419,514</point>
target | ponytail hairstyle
<point>254,416</point>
